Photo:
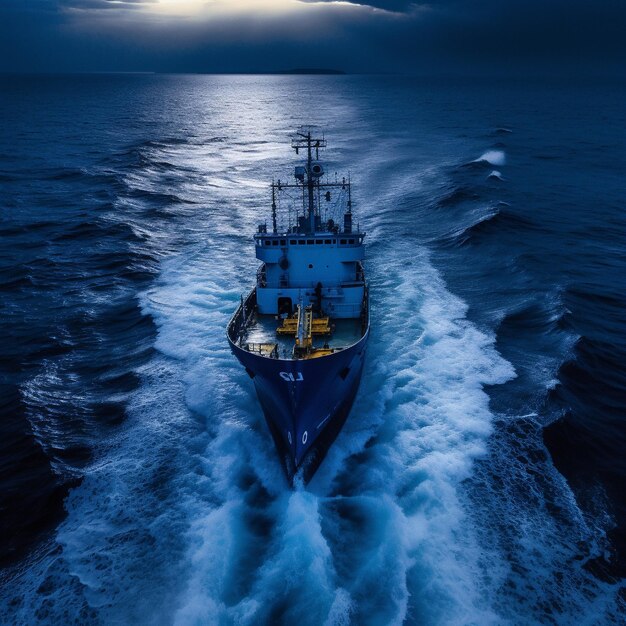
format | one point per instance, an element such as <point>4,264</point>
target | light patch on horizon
<point>178,8</point>
<point>218,7</point>
<point>224,7</point>
<point>206,9</point>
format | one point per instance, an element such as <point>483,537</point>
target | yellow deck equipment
<point>319,326</point>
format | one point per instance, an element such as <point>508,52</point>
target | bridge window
<point>293,242</point>
<point>342,242</point>
<point>310,242</point>
<point>283,242</point>
<point>301,242</point>
<point>327,241</point>
<point>334,241</point>
<point>267,242</point>
<point>319,241</point>
<point>275,242</point>
<point>350,240</point>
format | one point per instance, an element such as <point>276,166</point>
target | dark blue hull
<point>305,401</point>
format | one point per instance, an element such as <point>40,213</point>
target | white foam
<point>433,418</point>
<point>495,157</point>
<point>436,424</point>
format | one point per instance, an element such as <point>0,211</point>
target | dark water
<point>480,477</point>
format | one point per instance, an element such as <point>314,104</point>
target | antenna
<point>274,229</point>
<point>309,182</point>
<point>305,139</point>
<point>349,195</point>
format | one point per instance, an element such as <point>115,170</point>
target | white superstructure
<point>319,259</point>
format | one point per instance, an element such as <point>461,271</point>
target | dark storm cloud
<point>496,32</point>
<point>372,35</point>
<point>102,4</point>
<point>559,30</point>
<point>56,6</point>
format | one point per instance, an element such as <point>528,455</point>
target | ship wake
<point>380,533</point>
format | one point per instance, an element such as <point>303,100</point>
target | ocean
<point>480,477</point>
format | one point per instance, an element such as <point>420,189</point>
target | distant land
<point>316,70</point>
<point>301,70</point>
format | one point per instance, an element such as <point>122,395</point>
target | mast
<point>304,139</point>
<point>310,183</point>
<point>308,180</point>
<point>274,229</point>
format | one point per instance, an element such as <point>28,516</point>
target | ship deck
<point>262,330</point>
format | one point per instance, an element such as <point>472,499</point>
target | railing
<point>360,272</point>
<point>263,349</point>
<point>365,311</point>
<point>261,276</point>
<point>242,317</point>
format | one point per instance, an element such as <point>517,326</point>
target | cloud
<point>392,6</point>
<point>372,35</point>
<point>104,5</point>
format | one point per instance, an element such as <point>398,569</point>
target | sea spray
<point>493,157</point>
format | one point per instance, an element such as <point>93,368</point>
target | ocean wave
<point>25,228</point>
<point>158,197</point>
<point>27,518</point>
<point>492,157</point>
<point>102,230</point>
<point>458,195</point>
<point>16,283</point>
<point>495,220</point>
<point>543,317</point>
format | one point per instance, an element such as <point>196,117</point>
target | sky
<point>468,36</point>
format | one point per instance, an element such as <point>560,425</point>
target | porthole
<point>305,436</point>
<point>289,437</point>
<point>310,266</point>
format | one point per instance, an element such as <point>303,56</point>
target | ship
<point>301,333</point>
